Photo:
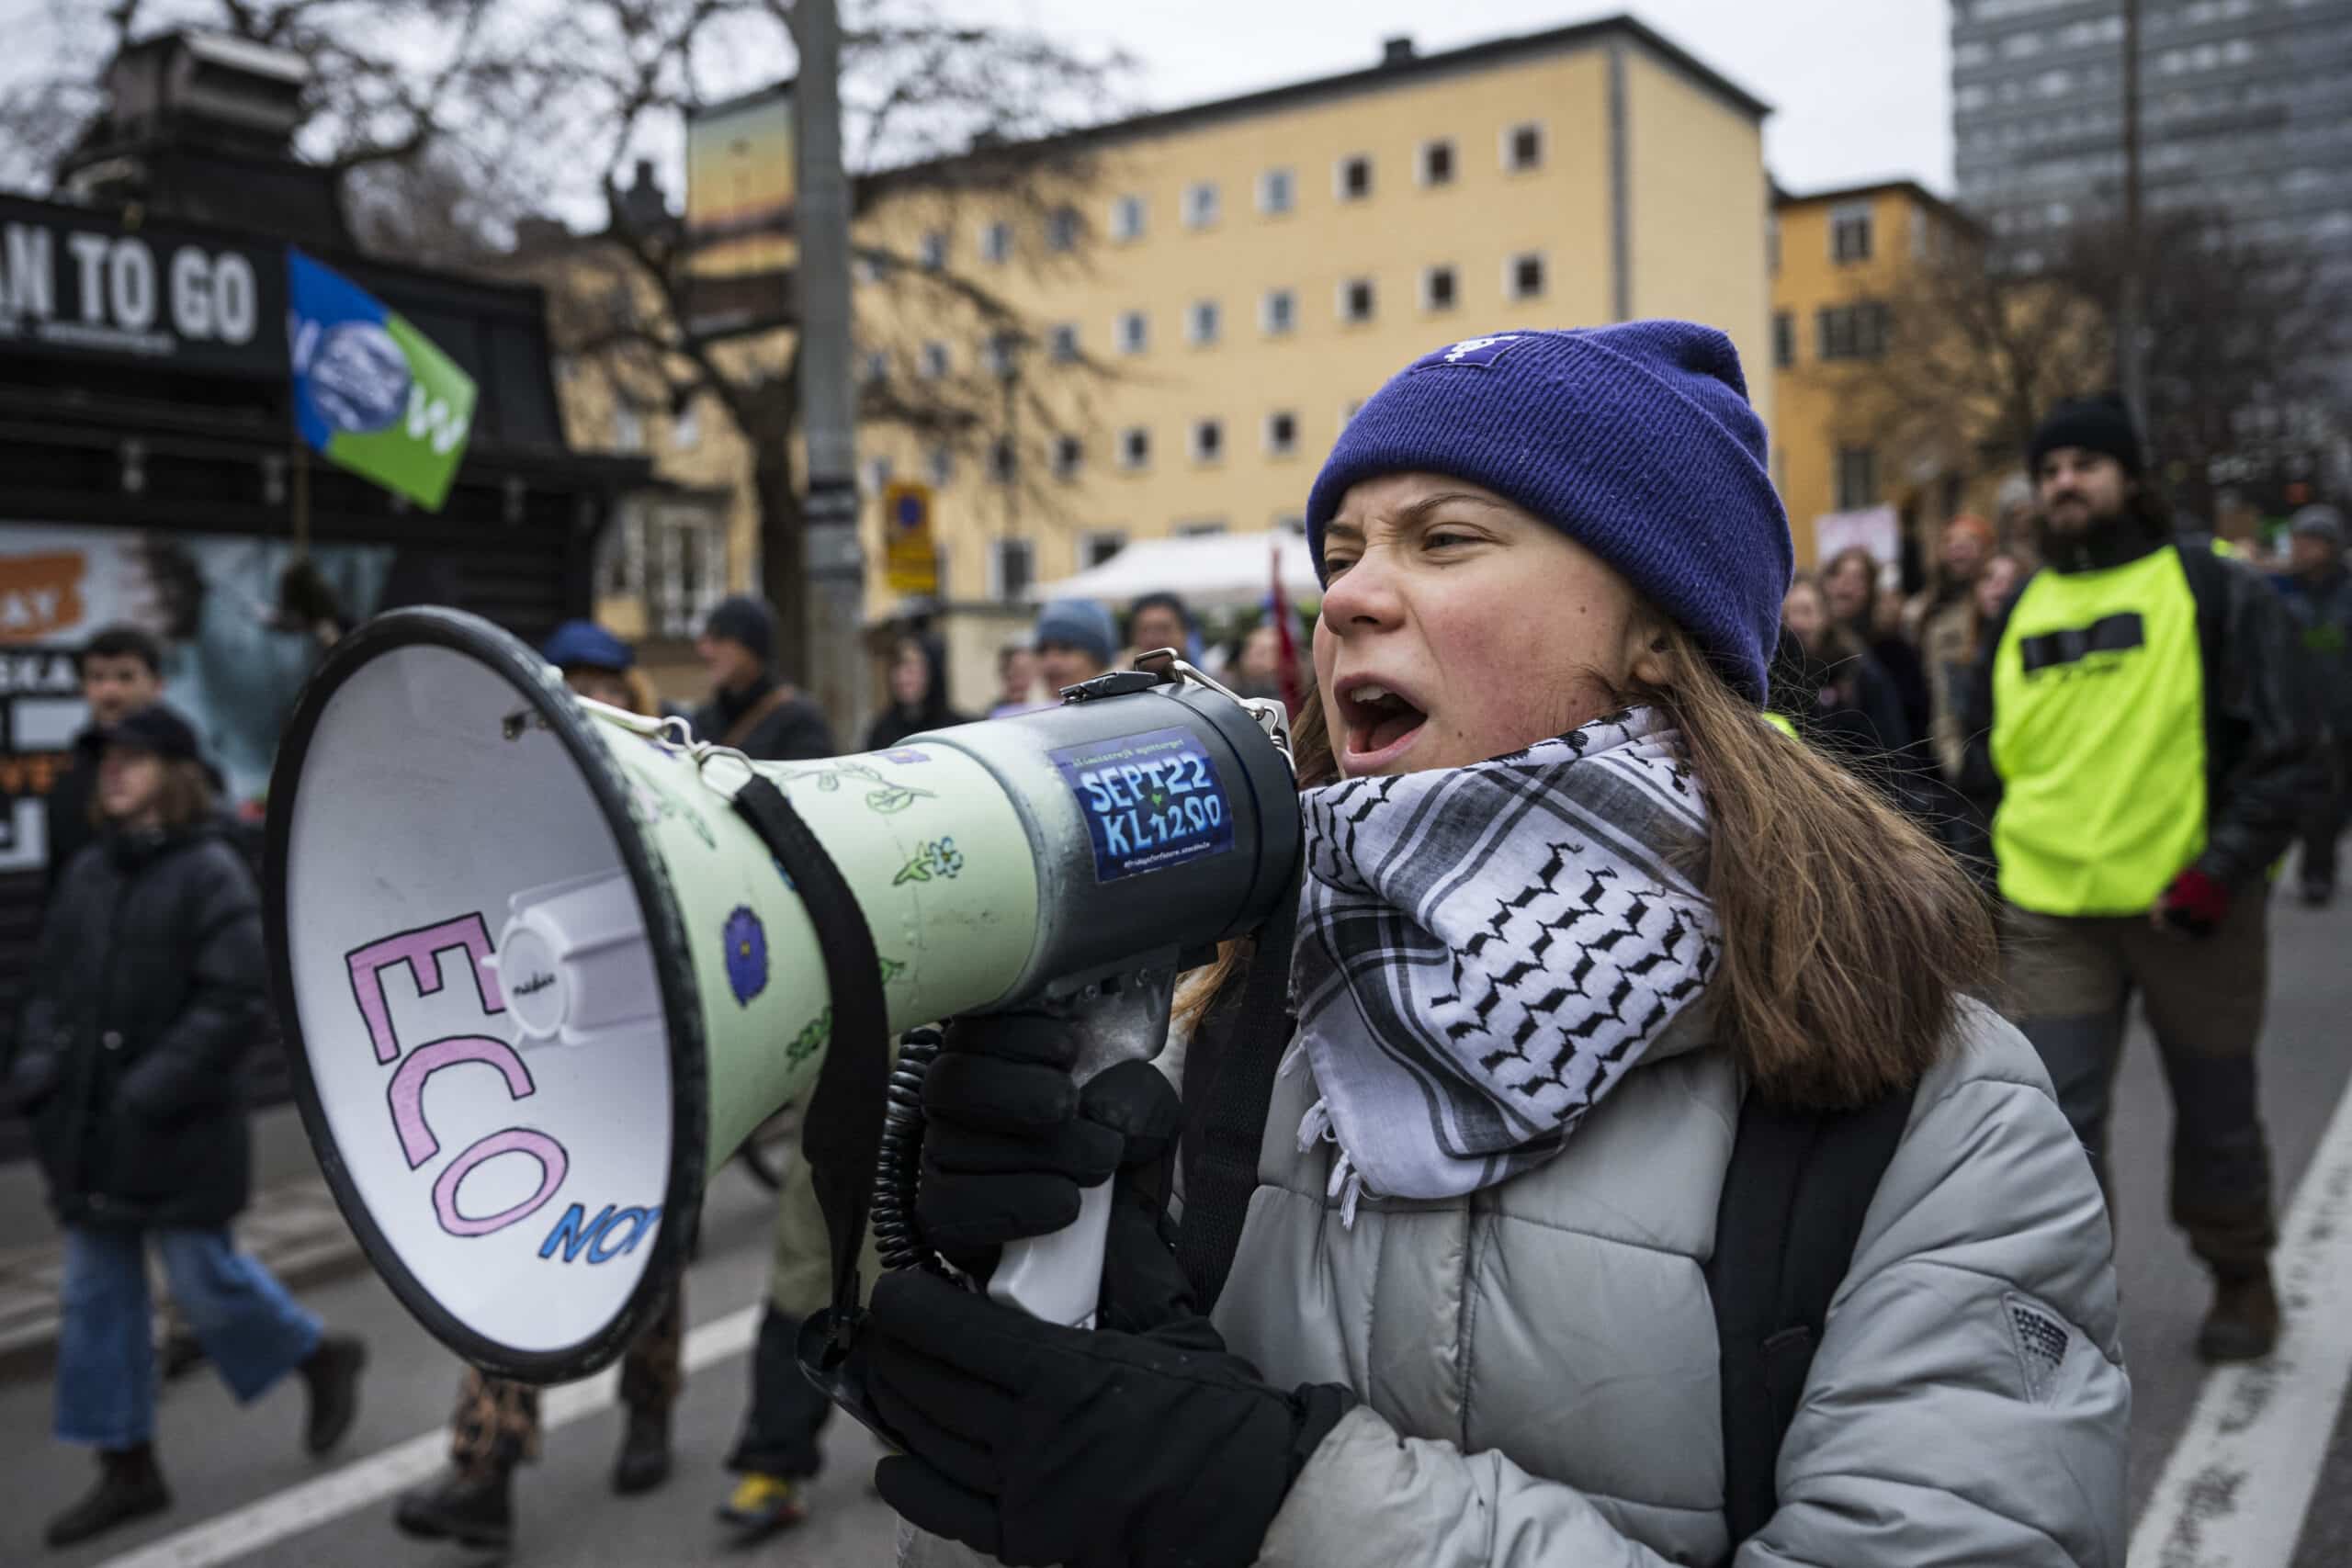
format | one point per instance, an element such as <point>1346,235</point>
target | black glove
<point>1037,1444</point>
<point>1008,1139</point>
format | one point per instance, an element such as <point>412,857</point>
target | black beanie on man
<point>744,619</point>
<point>2100,424</point>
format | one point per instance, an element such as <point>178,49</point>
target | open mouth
<point>1380,721</point>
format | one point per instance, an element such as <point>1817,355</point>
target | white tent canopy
<point>1209,572</point>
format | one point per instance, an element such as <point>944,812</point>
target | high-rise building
<point>2245,106</point>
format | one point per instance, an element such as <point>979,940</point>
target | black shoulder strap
<point>1228,1081</point>
<point>2209,584</point>
<point>841,1131</point>
<point>1794,1198</point>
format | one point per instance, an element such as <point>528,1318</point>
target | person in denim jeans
<point>147,991</point>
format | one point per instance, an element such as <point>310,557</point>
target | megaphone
<point>538,975</point>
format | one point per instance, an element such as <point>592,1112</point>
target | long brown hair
<point>1849,935</point>
<point>185,800</point>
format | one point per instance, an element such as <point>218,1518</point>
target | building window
<point>933,361</point>
<point>1439,289</point>
<point>1353,180</point>
<point>1199,530</point>
<point>940,466</point>
<point>1356,300</point>
<point>996,243</point>
<point>1012,567</point>
<point>1524,147</point>
<point>1784,339</point>
<point>629,429</point>
<point>1772,244</point>
<point>1277,191</point>
<point>877,475</point>
<point>1208,441</point>
<point>1437,162</point>
<point>1202,322</point>
<point>878,367</point>
<point>1201,205</point>
<point>685,429</point>
<point>934,249</point>
<point>673,559</point>
<point>1281,434</point>
<point>1850,232</point>
<point>1851,332</point>
<point>1126,218</point>
<point>1004,460</point>
<point>1000,355</point>
<point>1278,312</point>
<point>1062,343</point>
<point>1523,276</point>
<point>1348,410</point>
<point>1099,547</point>
<point>1070,456</point>
<point>1857,478</point>
<point>1135,332</point>
<point>1062,228</point>
<point>1135,447</point>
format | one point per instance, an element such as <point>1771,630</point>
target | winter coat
<point>1538,1362</point>
<point>794,731</point>
<point>2322,613</point>
<point>68,809</point>
<point>147,993</point>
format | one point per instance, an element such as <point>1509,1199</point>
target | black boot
<point>644,1460</point>
<point>330,1372</point>
<point>2244,1323</point>
<point>473,1508</point>
<point>130,1487</point>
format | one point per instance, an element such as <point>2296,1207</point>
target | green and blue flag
<point>371,393</point>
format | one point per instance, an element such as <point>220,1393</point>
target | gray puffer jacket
<point>1538,1362</point>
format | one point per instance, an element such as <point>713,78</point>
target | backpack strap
<point>1229,1073</point>
<point>1794,1199</point>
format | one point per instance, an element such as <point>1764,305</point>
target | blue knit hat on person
<point>1634,440</point>
<point>1081,624</point>
<point>585,645</point>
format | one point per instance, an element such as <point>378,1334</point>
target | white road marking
<point>371,1479</point>
<point>2240,1480</point>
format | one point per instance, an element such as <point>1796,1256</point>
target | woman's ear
<point>1647,648</point>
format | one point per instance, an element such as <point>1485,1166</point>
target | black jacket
<point>2263,761</point>
<point>794,731</point>
<point>68,809</point>
<point>147,993</point>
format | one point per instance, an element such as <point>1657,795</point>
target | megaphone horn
<point>540,975</point>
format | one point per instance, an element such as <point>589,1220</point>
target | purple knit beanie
<point>1634,440</point>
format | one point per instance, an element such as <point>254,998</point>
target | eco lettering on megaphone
<point>543,965</point>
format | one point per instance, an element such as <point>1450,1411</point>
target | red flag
<point>1285,638</point>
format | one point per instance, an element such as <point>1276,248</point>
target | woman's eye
<point>1442,539</point>
<point>1334,565</point>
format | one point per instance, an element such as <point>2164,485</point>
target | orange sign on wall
<point>40,596</point>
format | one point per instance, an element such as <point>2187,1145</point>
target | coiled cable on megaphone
<point>898,1241</point>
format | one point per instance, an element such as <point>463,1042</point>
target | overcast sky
<point>1859,89</point>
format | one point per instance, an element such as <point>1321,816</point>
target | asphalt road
<point>244,1467</point>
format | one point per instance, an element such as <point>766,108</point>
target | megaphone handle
<point>1059,1278</point>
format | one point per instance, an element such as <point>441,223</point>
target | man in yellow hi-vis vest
<point>2143,716</point>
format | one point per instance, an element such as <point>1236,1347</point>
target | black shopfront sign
<point>85,284</point>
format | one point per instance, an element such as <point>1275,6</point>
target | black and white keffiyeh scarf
<point>1483,951</point>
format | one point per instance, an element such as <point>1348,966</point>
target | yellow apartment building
<point>1841,261</point>
<point>1209,299</point>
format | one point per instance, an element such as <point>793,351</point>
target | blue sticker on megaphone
<point>1151,801</point>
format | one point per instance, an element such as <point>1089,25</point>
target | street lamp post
<point>835,577</point>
